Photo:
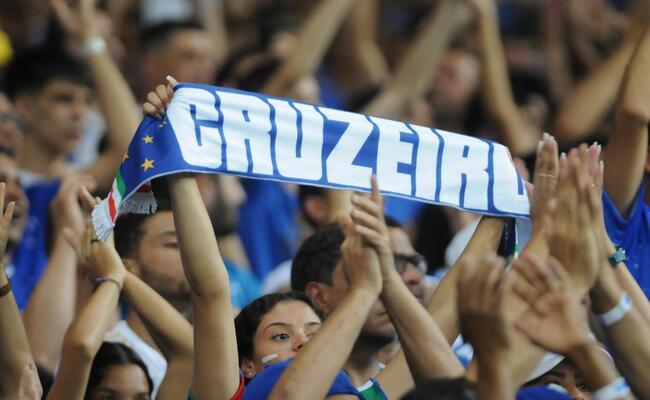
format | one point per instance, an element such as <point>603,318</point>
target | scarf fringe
<point>139,203</point>
<point>102,220</point>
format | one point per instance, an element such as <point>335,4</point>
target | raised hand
<point>545,180</point>
<point>368,217</point>
<point>556,319</point>
<point>481,287</point>
<point>360,262</point>
<point>98,256</point>
<point>5,222</point>
<point>159,98</point>
<point>81,21</point>
<point>573,239</point>
<point>65,208</point>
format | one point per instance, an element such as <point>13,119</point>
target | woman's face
<point>281,333</point>
<point>566,375</point>
<point>122,382</point>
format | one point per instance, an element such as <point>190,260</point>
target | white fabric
<point>155,362</point>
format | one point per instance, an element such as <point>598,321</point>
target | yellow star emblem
<point>126,157</point>
<point>148,139</point>
<point>147,164</point>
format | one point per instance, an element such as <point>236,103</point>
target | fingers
<point>375,195</point>
<point>163,95</point>
<point>150,110</point>
<point>172,81</point>
<point>87,200</point>
<point>3,187</point>
<point>9,213</point>
<point>154,100</point>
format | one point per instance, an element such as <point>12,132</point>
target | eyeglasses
<point>416,260</point>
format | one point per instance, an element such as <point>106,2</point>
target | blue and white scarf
<point>216,130</point>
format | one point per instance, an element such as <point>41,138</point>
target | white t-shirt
<point>155,362</point>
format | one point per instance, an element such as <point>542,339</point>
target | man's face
<point>378,327</point>
<point>159,261</point>
<point>411,275</point>
<point>188,57</point>
<point>56,115</point>
<point>455,82</point>
<point>13,192</point>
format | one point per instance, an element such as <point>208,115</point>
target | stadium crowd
<point>242,288</point>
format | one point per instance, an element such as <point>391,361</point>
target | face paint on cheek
<point>269,357</point>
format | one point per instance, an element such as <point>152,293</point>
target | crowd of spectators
<point>249,289</point>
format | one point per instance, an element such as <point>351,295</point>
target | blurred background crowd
<point>74,76</point>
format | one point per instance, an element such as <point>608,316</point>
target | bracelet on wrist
<point>617,313</point>
<point>614,390</point>
<point>93,45</point>
<point>617,257</point>
<point>5,289</point>
<point>103,279</point>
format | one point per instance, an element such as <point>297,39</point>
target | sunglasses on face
<point>416,260</point>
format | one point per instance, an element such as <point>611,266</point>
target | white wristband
<point>617,313</point>
<point>615,390</point>
<point>94,45</point>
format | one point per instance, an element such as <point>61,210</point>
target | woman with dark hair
<point>273,328</point>
<point>118,370</point>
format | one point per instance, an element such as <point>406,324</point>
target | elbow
<point>635,111</point>
<point>80,349</point>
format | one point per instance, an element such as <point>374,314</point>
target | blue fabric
<point>29,259</point>
<point>540,392</point>
<point>219,130</point>
<point>403,210</point>
<point>633,234</point>
<point>330,96</point>
<point>244,286</point>
<point>267,226</point>
<point>262,384</point>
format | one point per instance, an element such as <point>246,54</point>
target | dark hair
<point>31,70</point>
<point>113,354</point>
<point>157,36</point>
<point>304,192</point>
<point>317,257</point>
<point>249,319</point>
<point>443,389</point>
<point>128,229</point>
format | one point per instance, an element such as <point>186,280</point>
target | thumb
<point>172,81</point>
<point>72,239</point>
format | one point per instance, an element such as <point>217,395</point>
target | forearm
<point>425,347</point>
<point>442,307</point>
<point>199,250</point>
<point>413,73</point>
<point>587,103</point>
<point>171,332</point>
<point>52,306</point>
<point>518,133</point>
<point>14,347</point>
<point>590,361</point>
<point>120,111</point>
<point>313,41</point>
<point>314,368</point>
<point>628,337</point>
<point>210,288</point>
<point>363,47</point>
<point>495,381</point>
<point>82,341</point>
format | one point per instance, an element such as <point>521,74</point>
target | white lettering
<point>339,162</point>
<point>464,159</point>
<point>506,184</point>
<point>203,150</point>
<point>426,181</point>
<point>390,152</point>
<point>246,122</point>
<point>307,165</point>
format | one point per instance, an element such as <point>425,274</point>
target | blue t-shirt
<point>261,385</point>
<point>244,286</point>
<point>29,259</point>
<point>633,234</point>
<point>541,393</point>
<point>267,225</point>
